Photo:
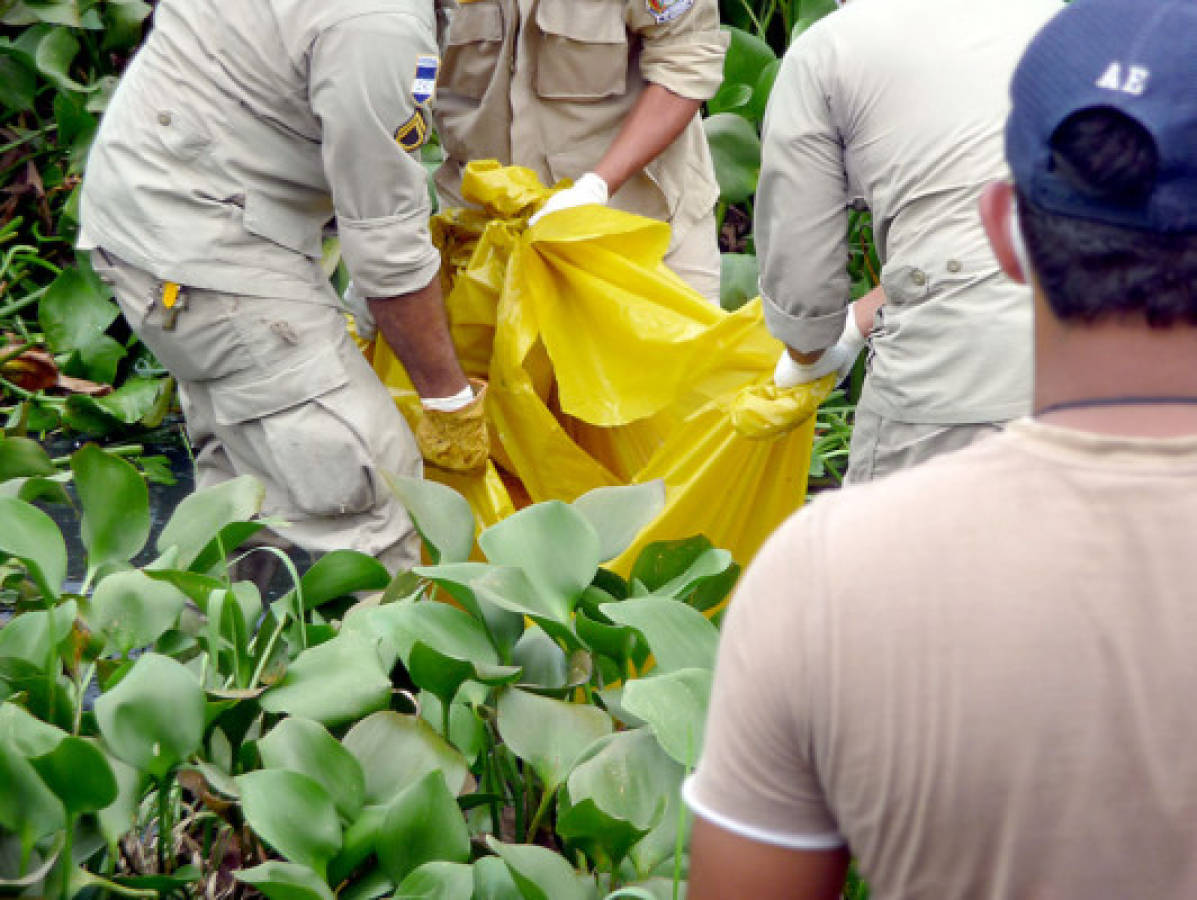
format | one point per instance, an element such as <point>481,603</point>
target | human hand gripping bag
<point>605,368</point>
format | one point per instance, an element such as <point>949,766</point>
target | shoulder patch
<point>412,133</point>
<point>668,10</point>
<point>423,85</point>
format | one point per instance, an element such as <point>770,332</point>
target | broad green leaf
<point>18,84</point>
<point>457,580</point>
<point>553,543</point>
<point>549,734</point>
<point>342,572</point>
<point>201,516</point>
<point>34,637</point>
<point>293,814</point>
<point>762,90</point>
<point>55,53</point>
<point>630,780</point>
<point>542,874</point>
<point>21,457</point>
<point>369,886</point>
<point>337,682</point>
<point>739,274</point>
<point>675,707</point>
<point>118,817</point>
<point>116,507</point>
<point>134,402</point>
<point>123,20</point>
<point>34,869</point>
<point>222,546</point>
<point>508,588</point>
<point>79,774</point>
<point>441,626</point>
<point>731,97</point>
<point>712,564</point>
<point>74,313</point>
<point>466,731</point>
<point>396,751</point>
<point>154,718</point>
<point>441,515</point>
<point>422,825</point>
<point>285,881</point>
<point>604,838</point>
<point>679,637</point>
<point>807,12</point>
<point>27,807</point>
<point>746,56</point>
<point>26,733</point>
<point>32,537</point>
<point>619,514</point>
<point>304,746</point>
<point>444,675</point>
<point>76,127</point>
<point>736,151</point>
<point>42,490</point>
<point>438,881</point>
<point>544,663</point>
<point>493,881</point>
<point>26,12</point>
<point>358,844</point>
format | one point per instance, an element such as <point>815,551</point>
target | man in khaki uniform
<point>236,133</point>
<point>604,92</point>
<point>900,102</point>
<point>976,677</point>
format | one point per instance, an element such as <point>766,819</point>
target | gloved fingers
<point>457,440</point>
<point>763,411</point>
<point>588,189</point>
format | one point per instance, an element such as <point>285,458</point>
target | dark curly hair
<point>1089,270</point>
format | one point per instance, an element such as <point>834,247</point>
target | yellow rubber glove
<point>765,410</point>
<point>458,440</point>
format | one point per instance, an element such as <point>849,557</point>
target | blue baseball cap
<point>1135,56</point>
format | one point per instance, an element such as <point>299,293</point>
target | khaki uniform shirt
<point>978,674</point>
<point>547,84</point>
<point>241,128</point>
<point>903,103</point>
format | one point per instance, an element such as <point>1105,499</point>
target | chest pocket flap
<point>472,49</point>
<point>584,49</point>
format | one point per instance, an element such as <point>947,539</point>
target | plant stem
<point>14,353</point>
<point>33,135</point>
<point>164,824</point>
<point>67,848</point>
<point>543,808</point>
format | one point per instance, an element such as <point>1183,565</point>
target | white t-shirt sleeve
<point>757,776</point>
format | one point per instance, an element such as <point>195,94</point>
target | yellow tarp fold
<point>605,368</point>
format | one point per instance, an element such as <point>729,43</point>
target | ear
<point>1000,218</point>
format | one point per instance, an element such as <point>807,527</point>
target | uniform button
<point>954,266</point>
<point>918,277</point>
<point>163,118</point>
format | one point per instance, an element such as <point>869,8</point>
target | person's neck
<point>1124,364</point>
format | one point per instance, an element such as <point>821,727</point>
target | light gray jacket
<point>241,128</point>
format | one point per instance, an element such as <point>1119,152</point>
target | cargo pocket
<point>284,225</point>
<point>184,137</point>
<point>584,51</point>
<point>289,422</point>
<point>472,49</point>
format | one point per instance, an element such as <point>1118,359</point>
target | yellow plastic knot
<point>762,411</point>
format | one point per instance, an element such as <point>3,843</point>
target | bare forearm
<point>724,866</point>
<point>656,120</point>
<point>416,327</point>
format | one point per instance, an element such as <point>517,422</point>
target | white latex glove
<point>590,188</point>
<point>356,305</point>
<point>839,358</point>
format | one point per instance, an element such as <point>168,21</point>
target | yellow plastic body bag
<point>605,368</point>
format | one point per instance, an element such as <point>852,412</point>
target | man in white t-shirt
<point>976,676</point>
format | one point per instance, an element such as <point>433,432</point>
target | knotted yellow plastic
<point>605,368</point>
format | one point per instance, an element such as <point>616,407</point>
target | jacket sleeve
<point>802,202</point>
<point>365,89</point>
<point>682,46</point>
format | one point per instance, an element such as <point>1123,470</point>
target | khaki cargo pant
<point>881,446</point>
<point>696,259</point>
<point>276,389</point>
